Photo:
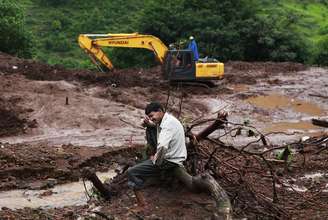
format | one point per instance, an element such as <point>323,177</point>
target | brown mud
<point>10,122</point>
<point>22,164</point>
<point>54,122</point>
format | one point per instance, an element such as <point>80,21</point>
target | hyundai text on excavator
<point>178,65</point>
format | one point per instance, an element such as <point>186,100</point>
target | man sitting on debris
<point>171,149</point>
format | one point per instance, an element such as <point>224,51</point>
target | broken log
<point>321,123</point>
<point>206,183</point>
<point>92,177</point>
<point>218,123</point>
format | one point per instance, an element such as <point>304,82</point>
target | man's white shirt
<point>171,138</point>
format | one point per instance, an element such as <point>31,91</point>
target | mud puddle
<point>70,194</point>
<point>239,87</point>
<point>292,127</point>
<point>274,101</point>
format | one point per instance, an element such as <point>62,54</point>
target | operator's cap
<point>191,38</point>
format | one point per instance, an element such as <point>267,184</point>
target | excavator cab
<point>179,65</point>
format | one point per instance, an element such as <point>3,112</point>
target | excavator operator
<point>193,47</point>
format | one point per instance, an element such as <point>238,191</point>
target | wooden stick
<point>321,123</point>
<point>92,177</point>
<point>321,96</point>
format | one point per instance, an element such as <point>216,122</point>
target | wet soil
<point>10,122</point>
<point>54,122</point>
<point>21,165</point>
<point>20,169</point>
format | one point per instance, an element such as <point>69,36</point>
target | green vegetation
<point>14,38</point>
<point>321,53</point>
<point>307,19</point>
<point>251,30</point>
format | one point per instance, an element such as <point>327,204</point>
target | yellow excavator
<point>178,65</point>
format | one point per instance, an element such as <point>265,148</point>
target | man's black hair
<point>153,107</point>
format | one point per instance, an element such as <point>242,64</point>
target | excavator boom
<point>93,43</point>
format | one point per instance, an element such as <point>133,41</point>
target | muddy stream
<point>70,194</point>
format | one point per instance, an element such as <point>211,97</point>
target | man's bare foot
<point>140,198</point>
<point>141,207</point>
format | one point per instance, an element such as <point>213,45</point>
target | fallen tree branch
<point>321,123</point>
<point>317,95</point>
<point>92,177</point>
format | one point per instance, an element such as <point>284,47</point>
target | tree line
<point>225,29</point>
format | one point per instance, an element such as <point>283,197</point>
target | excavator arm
<point>92,44</point>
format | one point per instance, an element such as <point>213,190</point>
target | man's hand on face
<point>148,122</point>
<point>153,158</point>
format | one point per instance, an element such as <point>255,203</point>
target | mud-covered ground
<point>54,122</point>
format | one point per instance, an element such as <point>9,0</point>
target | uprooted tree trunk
<point>203,182</point>
<point>206,183</point>
<point>92,177</point>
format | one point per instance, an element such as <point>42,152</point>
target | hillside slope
<point>57,24</point>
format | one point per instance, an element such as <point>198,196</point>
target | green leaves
<point>14,38</point>
<point>321,52</point>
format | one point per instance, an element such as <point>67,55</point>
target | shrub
<point>54,2</point>
<point>58,43</point>
<point>14,38</point>
<point>321,53</point>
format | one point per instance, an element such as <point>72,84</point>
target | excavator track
<point>205,84</point>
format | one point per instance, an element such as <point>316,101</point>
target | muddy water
<point>290,126</point>
<point>70,194</point>
<point>239,87</point>
<point>274,101</point>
